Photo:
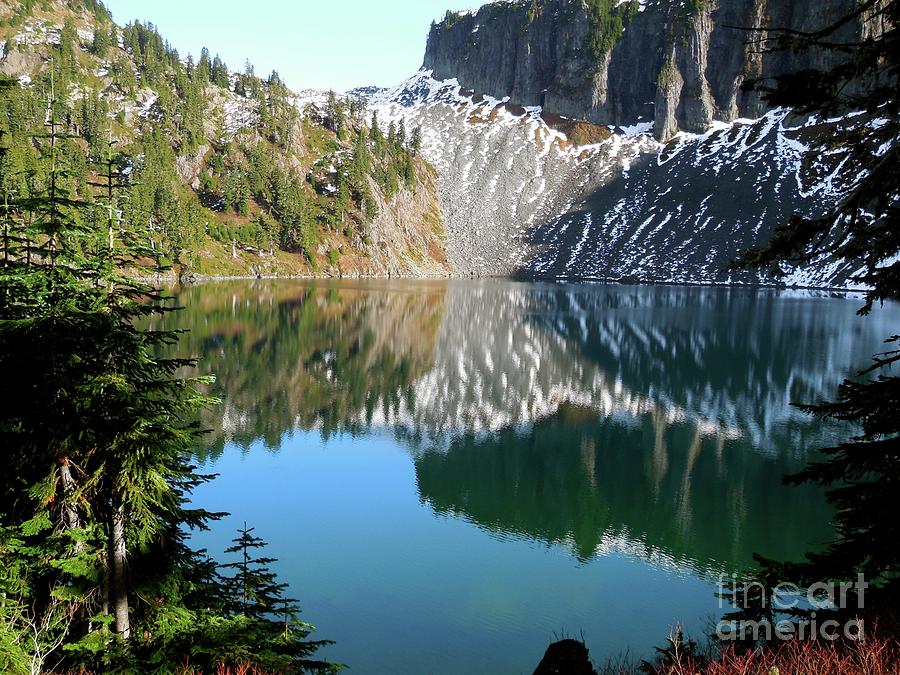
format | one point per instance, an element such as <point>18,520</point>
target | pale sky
<point>322,44</point>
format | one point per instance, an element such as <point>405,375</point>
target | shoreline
<point>172,280</point>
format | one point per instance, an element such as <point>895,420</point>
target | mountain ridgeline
<point>678,64</point>
<point>579,139</point>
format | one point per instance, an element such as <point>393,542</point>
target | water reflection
<point>654,421</point>
<point>651,488</point>
<point>296,357</point>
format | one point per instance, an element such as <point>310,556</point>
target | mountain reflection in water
<point>650,420</point>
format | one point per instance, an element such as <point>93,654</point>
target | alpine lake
<point>453,475</point>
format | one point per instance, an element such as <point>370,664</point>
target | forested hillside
<point>231,173</point>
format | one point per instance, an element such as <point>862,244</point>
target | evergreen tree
<point>96,444</point>
<point>98,429</point>
<point>204,67</point>
<point>401,133</point>
<point>68,41</point>
<point>101,42</point>
<point>254,586</point>
<point>219,73</point>
<point>278,636</point>
<point>415,143</point>
<point>863,473</point>
<point>376,135</point>
<point>335,116</point>
<point>124,76</point>
<point>392,135</point>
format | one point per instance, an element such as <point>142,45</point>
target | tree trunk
<point>67,484</point>
<point>119,585</point>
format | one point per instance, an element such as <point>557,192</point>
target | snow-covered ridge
<point>519,198</point>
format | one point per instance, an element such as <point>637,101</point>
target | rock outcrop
<point>678,64</point>
<point>566,657</point>
<point>406,239</point>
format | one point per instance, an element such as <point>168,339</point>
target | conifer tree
<point>98,429</point>
<point>335,117</point>
<point>392,135</point>
<point>219,73</point>
<point>862,474</point>
<point>401,133</point>
<point>101,41</point>
<point>415,143</point>
<point>253,585</point>
<point>204,67</point>
<point>376,135</point>
<point>272,618</point>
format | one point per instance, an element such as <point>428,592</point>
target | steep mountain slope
<point>527,193</point>
<point>229,173</point>
<point>538,156</point>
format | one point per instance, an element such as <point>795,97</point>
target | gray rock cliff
<point>678,64</point>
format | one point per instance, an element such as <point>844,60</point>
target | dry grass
<point>578,132</point>
<point>813,657</point>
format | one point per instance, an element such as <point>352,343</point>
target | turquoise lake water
<point>452,475</point>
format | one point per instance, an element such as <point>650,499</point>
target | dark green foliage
<point>68,42</point>
<point>335,115</point>
<point>252,584</point>
<point>204,67</point>
<point>123,76</point>
<point>91,112</point>
<point>608,18</point>
<point>375,135</point>
<point>451,19</point>
<point>218,73</point>
<point>695,6</point>
<point>394,159</point>
<point>152,55</point>
<point>157,204</point>
<point>98,431</point>
<point>533,12</point>
<point>104,38</point>
<point>266,617</point>
<point>91,421</point>
<point>862,473</point>
<point>95,7</point>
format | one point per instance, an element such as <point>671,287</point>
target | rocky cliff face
<point>677,64</point>
<point>406,239</point>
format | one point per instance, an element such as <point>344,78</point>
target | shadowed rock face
<point>677,64</point>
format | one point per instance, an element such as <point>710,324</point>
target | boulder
<point>566,657</point>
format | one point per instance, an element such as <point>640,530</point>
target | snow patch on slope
<point>519,198</point>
